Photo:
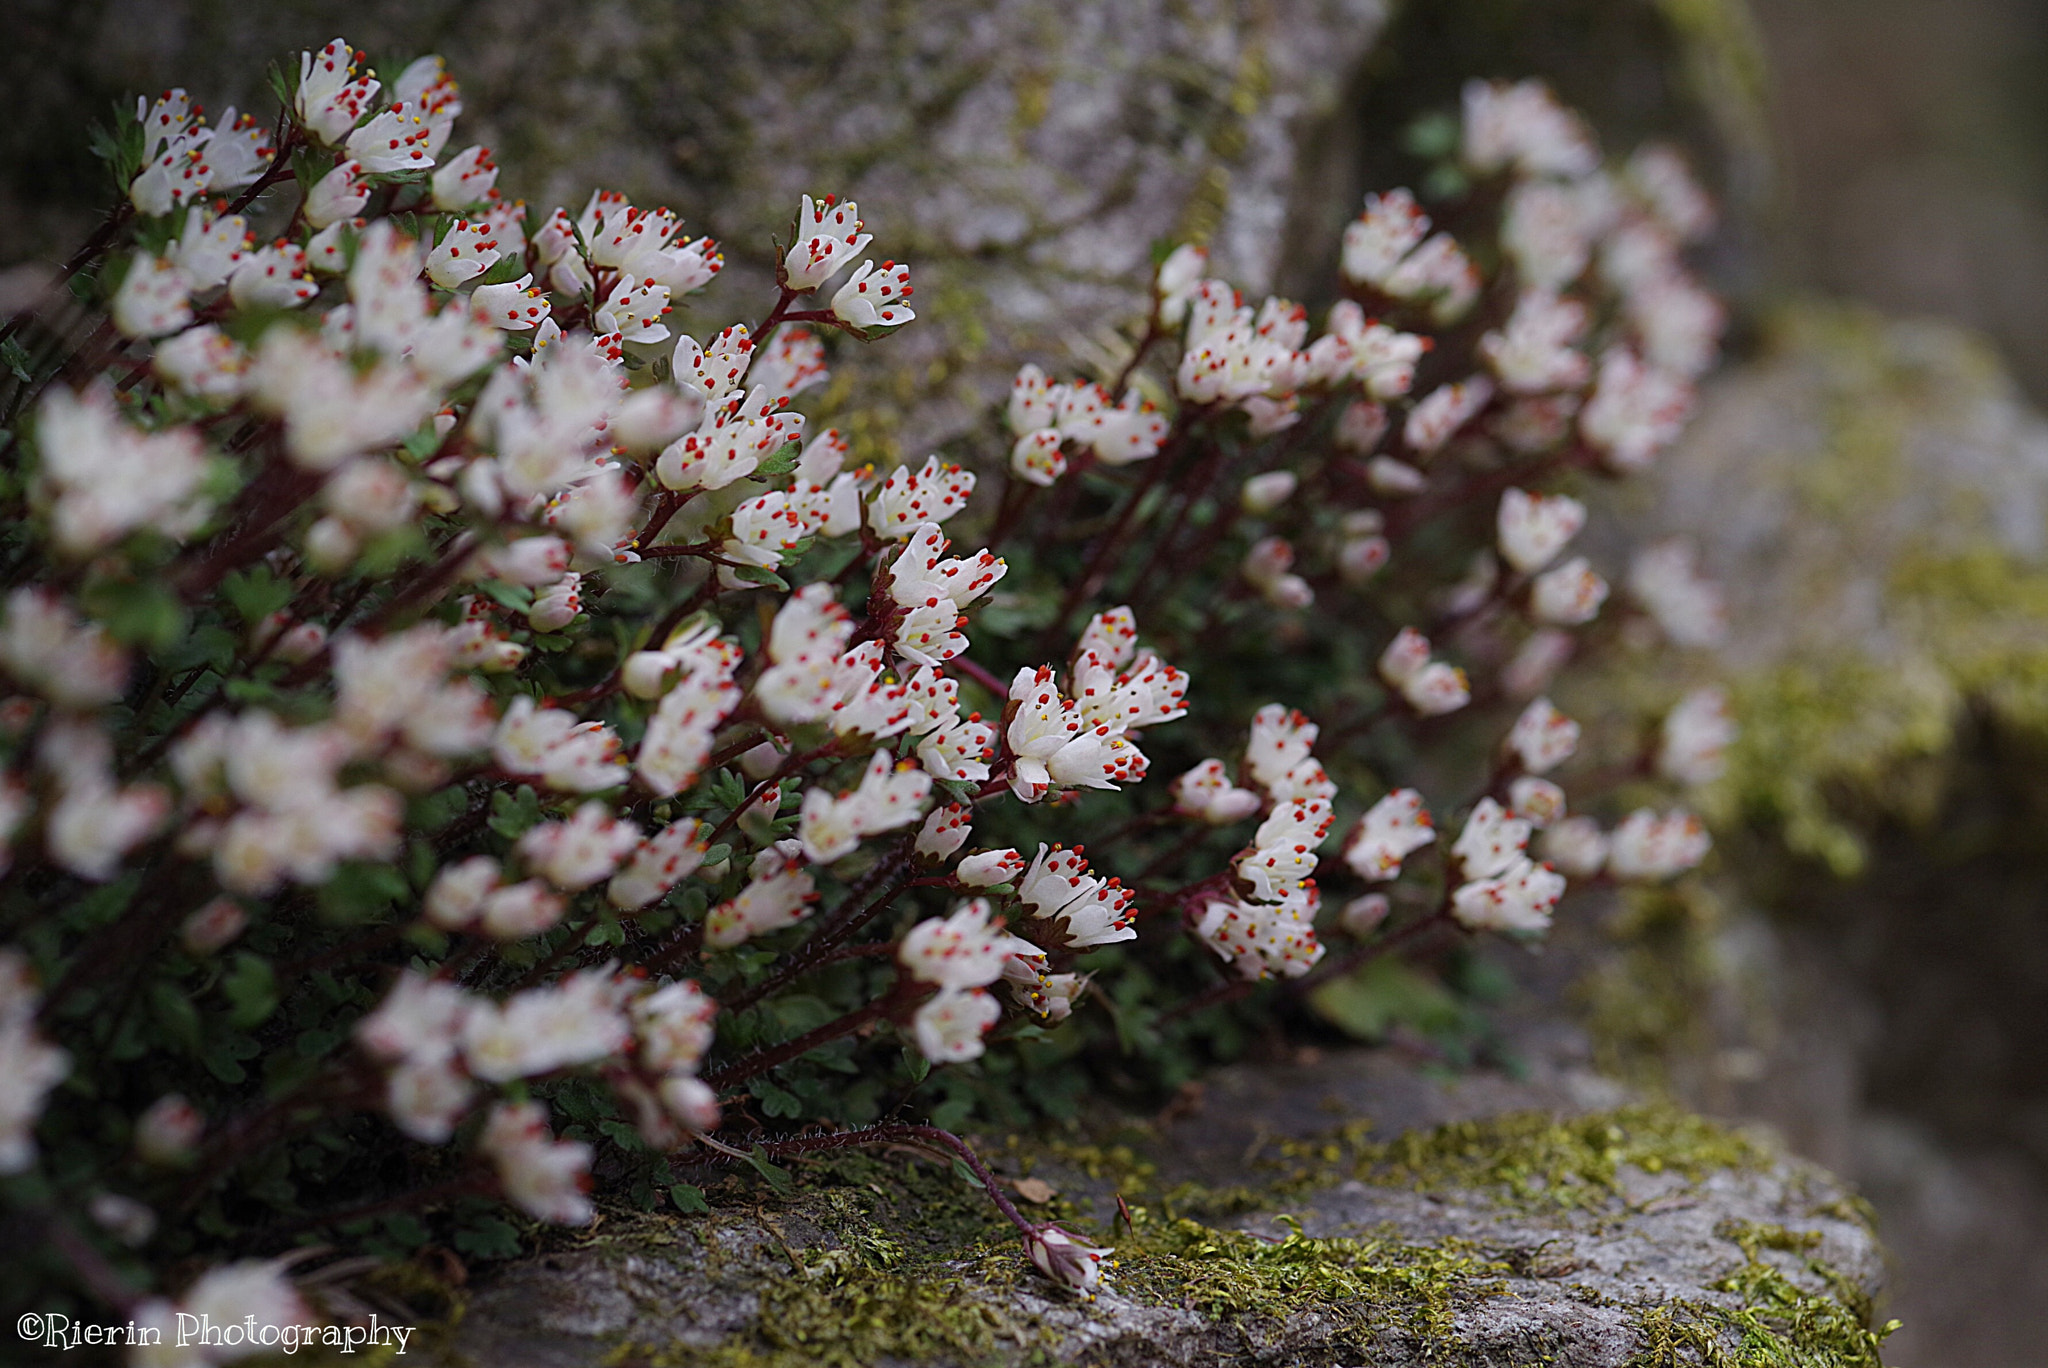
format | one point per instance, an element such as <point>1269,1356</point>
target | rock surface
<point>1481,1235</point>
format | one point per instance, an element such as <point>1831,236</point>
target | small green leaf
<point>778,1179</point>
<point>256,593</point>
<point>780,463</point>
<point>251,990</point>
<point>487,1237</point>
<point>758,574</point>
<point>146,613</point>
<point>514,814</point>
<point>174,1011</point>
<point>775,1101</point>
<point>689,1200</point>
<point>916,1065</point>
<point>504,271</point>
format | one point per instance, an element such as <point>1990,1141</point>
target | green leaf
<point>759,574</point>
<point>362,892</point>
<point>1386,993</point>
<point>514,814</point>
<point>503,271</point>
<point>256,593</point>
<point>778,1179</point>
<point>727,789</point>
<point>251,990</point>
<point>487,1237</point>
<point>780,463</point>
<point>144,613</point>
<point>965,1174</point>
<point>174,1011</point>
<point>1431,137</point>
<point>689,1200</point>
<point>776,1101</point>
<point>15,357</point>
<point>916,1065</point>
<point>516,597</point>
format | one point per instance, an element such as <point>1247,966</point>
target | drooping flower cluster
<point>433,669</point>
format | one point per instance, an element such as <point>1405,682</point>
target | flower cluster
<point>440,685</point>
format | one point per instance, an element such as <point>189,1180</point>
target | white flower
<point>1658,176</point>
<point>949,1028</point>
<point>779,894</point>
<point>1664,579</point>
<point>464,252</point>
<point>577,1020</point>
<point>1542,738</point>
<point>964,950</point>
<point>987,868</point>
<point>1364,915</point>
<point>1390,831</point>
<point>1519,899</point>
<point>1491,842</point>
<point>1174,282</point>
<point>1522,127</point>
<point>1568,595</point>
<point>1431,687</point>
<point>888,797</point>
<point>792,362</point>
<point>1696,737</point>
<point>548,1179</point>
<point>1391,227</point>
<point>872,296</point>
<point>464,179</point>
<point>1438,417</point>
<point>154,298</point>
<point>1533,528</point>
<point>944,831</point>
<point>396,139</point>
<point>207,252</point>
<point>336,196</point>
<point>1533,354</point>
<point>420,1018</point>
<point>107,478</point>
<point>204,362</point>
<point>512,306</point>
<point>828,237</point>
<point>1536,801</point>
<point>658,864</point>
<point>1065,1259</point>
<point>741,431</point>
<point>29,1068</point>
<point>168,1130</point>
<point>1395,479</point>
<point>577,853</point>
<point>47,648</point>
<point>1205,792</point>
<point>1575,845</point>
<point>1547,231</point>
<point>673,1024</point>
<point>1636,410</point>
<point>273,277</point>
<point>567,754</point>
<point>1648,847</point>
<point>908,499</point>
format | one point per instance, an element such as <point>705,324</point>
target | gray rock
<point>1438,1267</point>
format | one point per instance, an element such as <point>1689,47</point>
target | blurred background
<point>1869,971</point>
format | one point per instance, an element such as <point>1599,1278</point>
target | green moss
<point>1570,1162</point>
<point>1231,1275</point>
<point>851,1317</point>
<point>1777,1323</point>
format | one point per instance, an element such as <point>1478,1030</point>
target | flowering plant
<point>464,726</point>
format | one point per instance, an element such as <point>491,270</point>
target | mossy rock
<point>1469,1220</point>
